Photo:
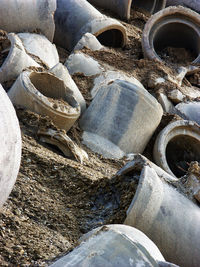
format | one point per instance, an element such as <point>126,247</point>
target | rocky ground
<point>55,199</point>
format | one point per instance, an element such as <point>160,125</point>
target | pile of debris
<point>100,130</point>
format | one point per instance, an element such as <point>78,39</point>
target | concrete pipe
<point>177,146</point>
<point>193,4</point>
<point>40,48</point>
<point>122,7</point>
<point>73,18</point>
<point>31,15</point>
<point>167,217</point>
<point>122,116</point>
<point>45,94</point>
<point>190,110</point>
<point>114,245</point>
<point>173,30</point>
<point>17,59</point>
<point>10,155</point>
<point>62,73</point>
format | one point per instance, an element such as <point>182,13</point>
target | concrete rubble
<point>113,114</point>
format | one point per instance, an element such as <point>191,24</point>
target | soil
<point>59,104</point>
<point>177,55</point>
<point>55,200</point>
<point>4,42</point>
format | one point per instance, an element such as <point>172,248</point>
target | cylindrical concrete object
<point>28,15</point>
<point>111,246</point>
<point>176,146</point>
<point>10,154</point>
<point>168,218</point>
<point>39,47</point>
<point>123,114</point>
<point>193,4</point>
<point>191,110</point>
<point>176,27</point>
<point>122,7</point>
<point>36,92</point>
<point>17,59</point>
<point>73,18</point>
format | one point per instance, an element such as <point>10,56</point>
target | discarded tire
<point>10,155</point>
<point>122,115</point>
<point>74,18</point>
<point>44,93</point>
<point>176,146</point>
<point>175,27</point>
<point>113,245</point>
<point>167,217</point>
<point>191,110</point>
<point>193,4</point>
<point>122,7</point>
<point>31,15</point>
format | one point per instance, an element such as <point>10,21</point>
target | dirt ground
<point>55,200</point>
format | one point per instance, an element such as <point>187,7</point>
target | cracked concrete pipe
<point>121,119</point>
<point>74,18</point>
<point>190,110</point>
<point>16,58</point>
<point>10,155</point>
<point>31,15</point>
<point>167,217</point>
<point>172,28</point>
<point>62,73</point>
<point>40,48</point>
<point>193,4</point>
<point>122,7</point>
<point>177,146</point>
<point>114,245</point>
<point>45,94</point>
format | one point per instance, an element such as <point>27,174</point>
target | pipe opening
<point>5,46</point>
<point>180,152</point>
<point>177,43</point>
<point>53,89</point>
<point>145,5</point>
<point>111,38</point>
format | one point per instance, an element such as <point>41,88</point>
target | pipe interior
<point>111,38</point>
<point>5,46</point>
<point>180,152</point>
<point>147,5</point>
<point>52,87</point>
<point>177,35</point>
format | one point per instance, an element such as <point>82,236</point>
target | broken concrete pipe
<point>177,146</point>
<point>121,119</point>
<point>113,245</point>
<point>190,110</point>
<point>122,7</point>
<point>73,18</point>
<point>193,4</point>
<point>10,155</point>
<point>89,41</point>
<point>45,94</point>
<point>166,216</point>
<point>60,71</point>
<point>31,15</point>
<point>173,29</point>
<point>26,50</point>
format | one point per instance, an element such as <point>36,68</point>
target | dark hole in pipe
<point>111,38</point>
<point>177,35</point>
<point>148,5</point>
<point>180,152</point>
<point>50,86</point>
